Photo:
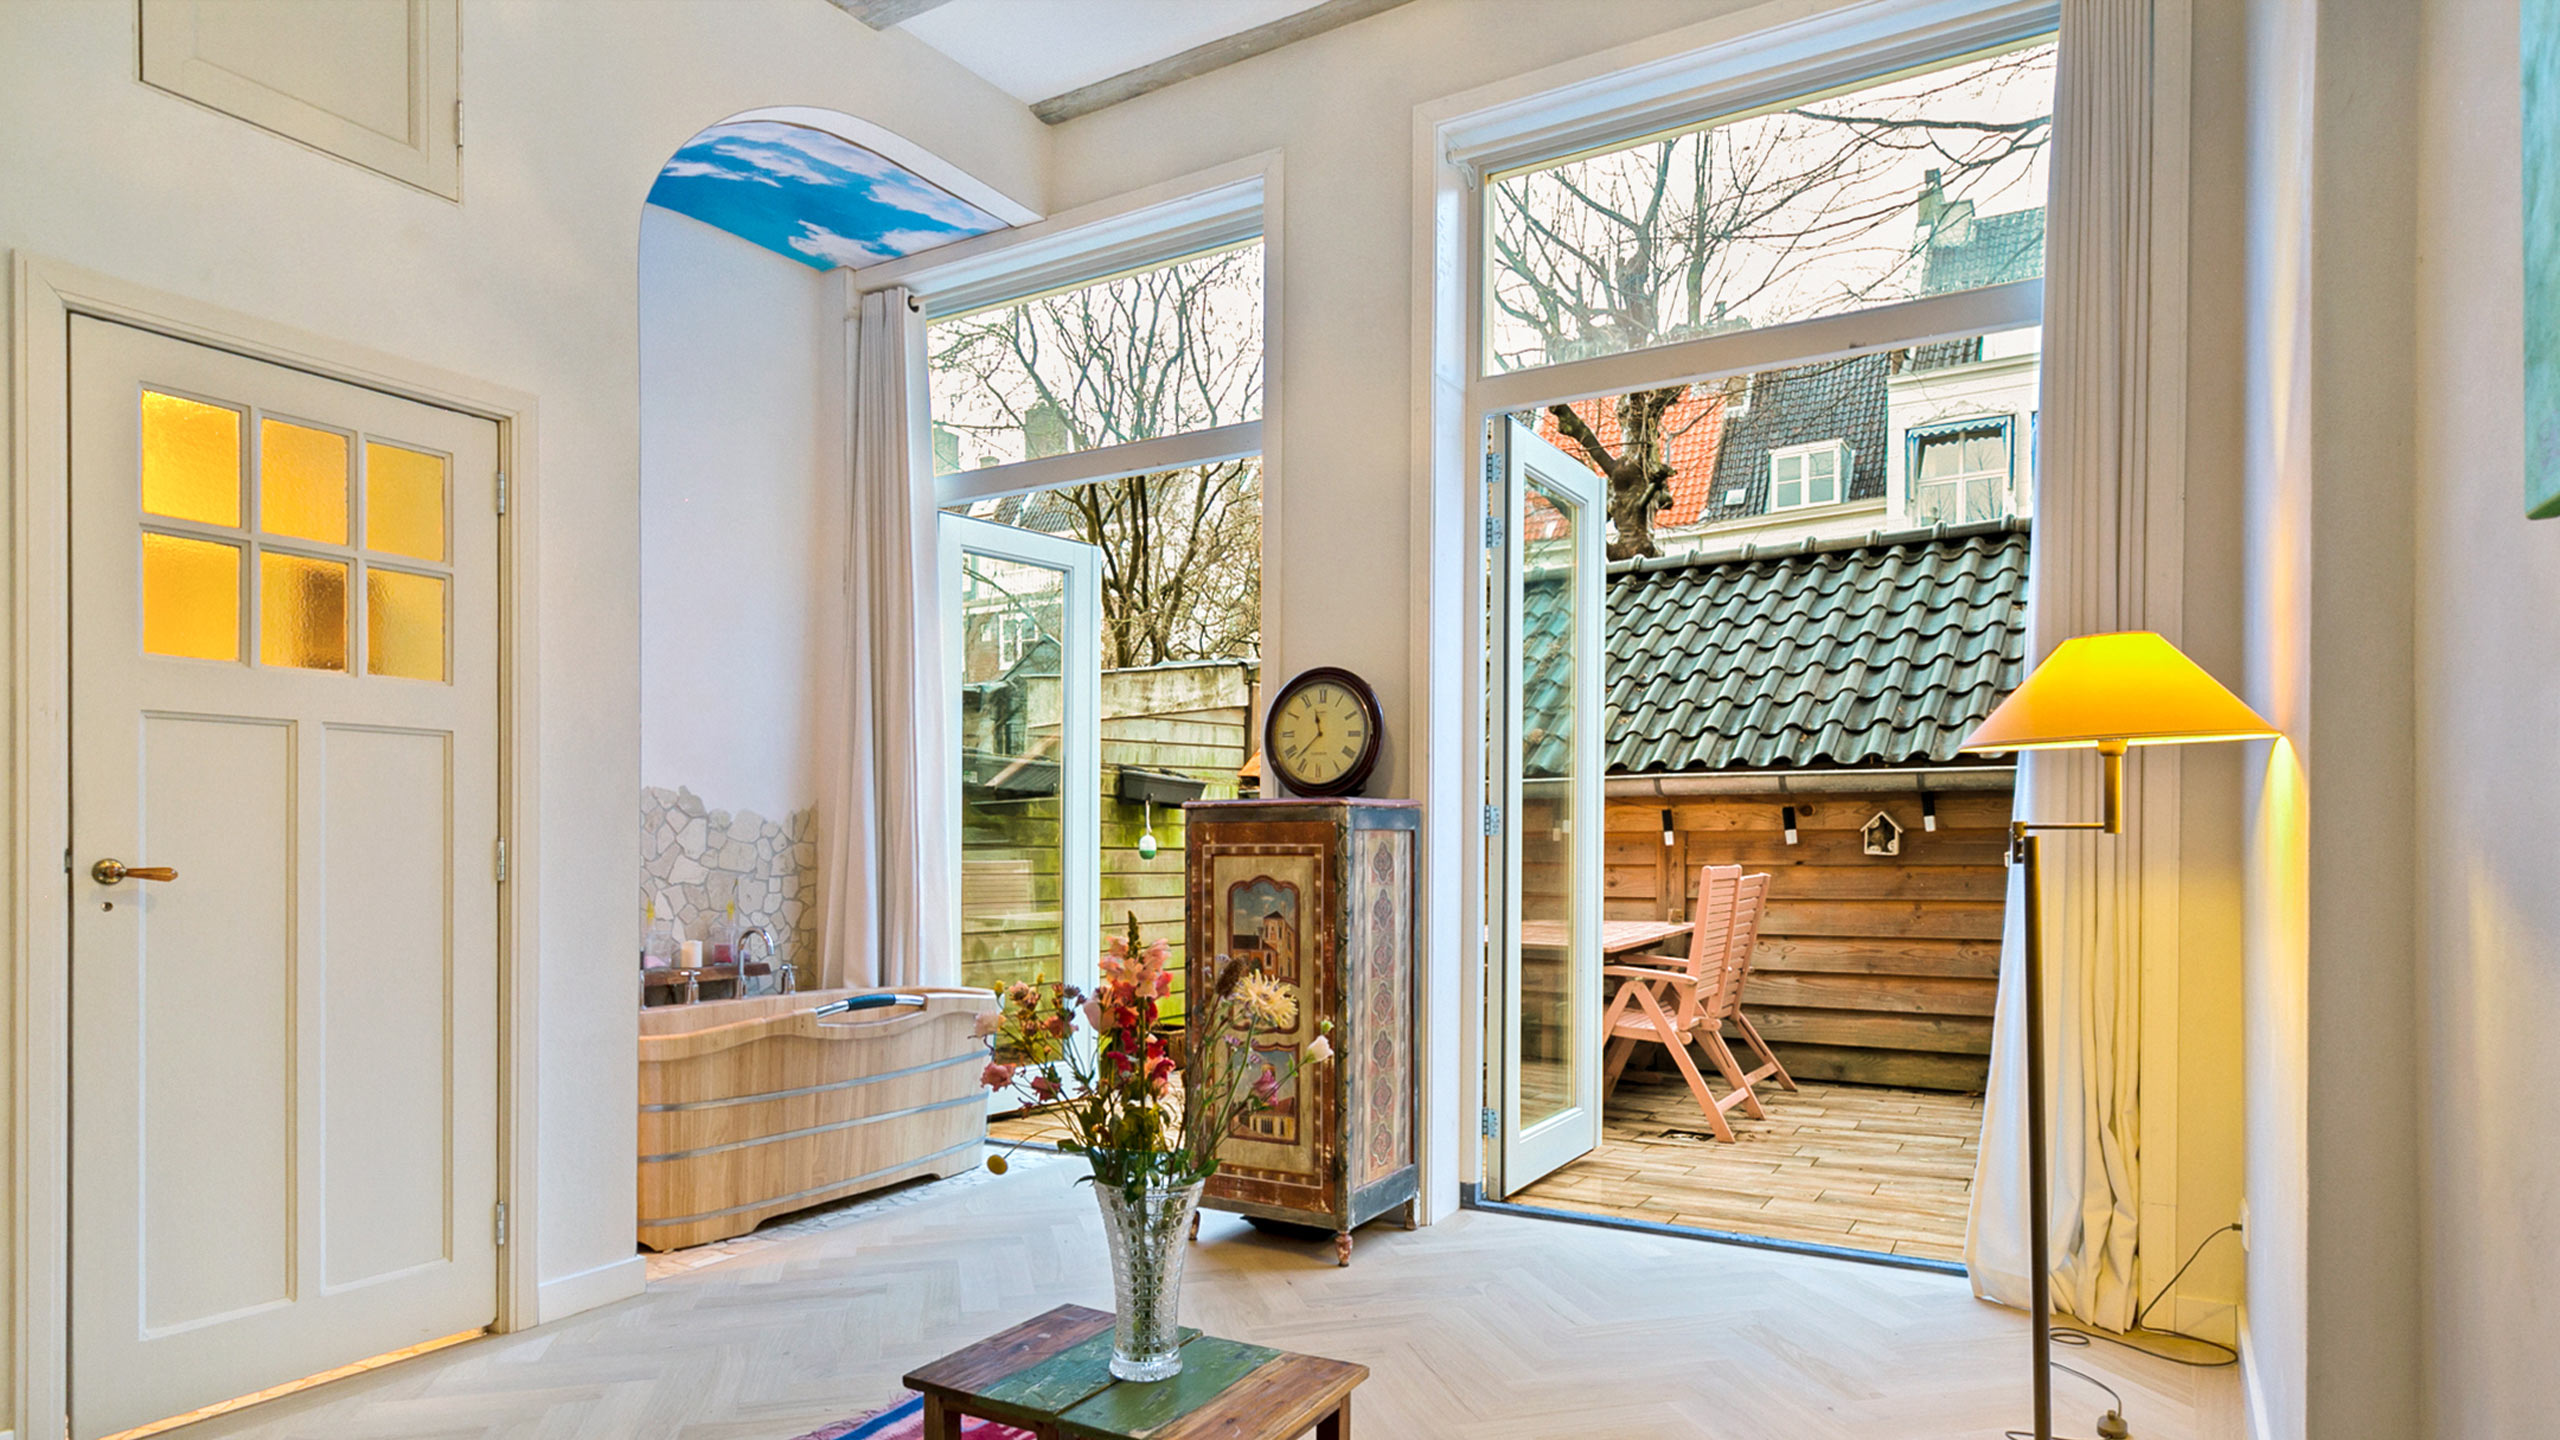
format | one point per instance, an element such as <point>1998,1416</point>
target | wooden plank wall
<point>1870,969</point>
<point>1208,744</point>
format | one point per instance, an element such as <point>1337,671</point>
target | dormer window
<point>1803,475</point>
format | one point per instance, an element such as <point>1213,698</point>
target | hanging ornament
<point>1147,834</point>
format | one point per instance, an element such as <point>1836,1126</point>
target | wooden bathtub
<point>751,1108</point>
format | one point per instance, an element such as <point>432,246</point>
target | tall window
<point>1036,405</point>
<point>1960,475</point>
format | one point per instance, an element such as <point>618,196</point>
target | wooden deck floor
<point>1857,1166</point>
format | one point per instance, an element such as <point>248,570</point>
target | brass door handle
<point>109,872</point>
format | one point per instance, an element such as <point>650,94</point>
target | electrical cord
<point>2112,1424</point>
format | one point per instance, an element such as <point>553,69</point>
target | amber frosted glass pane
<point>190,598</point>
<point>403,501</point>
<point>302,612</point>
<point>190,459</point>
<point>403,625</point>
<point>302,482</point>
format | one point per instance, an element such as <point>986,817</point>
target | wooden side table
<point>1052,1377</point>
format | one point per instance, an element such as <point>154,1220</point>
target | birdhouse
<point>1882,835</point>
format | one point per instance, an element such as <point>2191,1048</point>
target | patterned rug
<point>905,1421</point>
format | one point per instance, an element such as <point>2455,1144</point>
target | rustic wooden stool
<point>1052,1377</point>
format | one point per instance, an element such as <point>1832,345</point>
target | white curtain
<point>889,861</point>
<point>2094,564</point>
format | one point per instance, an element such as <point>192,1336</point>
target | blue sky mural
<point>818,198</point>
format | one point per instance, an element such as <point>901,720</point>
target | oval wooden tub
<point>751,1108</point>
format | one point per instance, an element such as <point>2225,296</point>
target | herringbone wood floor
<point>1487,1327</point>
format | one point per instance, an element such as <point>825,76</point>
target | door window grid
<point>291,596</point>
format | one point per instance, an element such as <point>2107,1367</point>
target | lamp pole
<point>2026,848</point>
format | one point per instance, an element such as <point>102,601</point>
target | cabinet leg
<point>1413,1213</point>
<point>1342,1249</point>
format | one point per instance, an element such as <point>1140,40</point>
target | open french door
<point>1022,641</point>
<point>1548,570</point>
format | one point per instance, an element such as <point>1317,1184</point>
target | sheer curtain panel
<point>890,859</point>
<point>2101,518</point>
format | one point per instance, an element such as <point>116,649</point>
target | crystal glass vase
<point>1147,1234</point>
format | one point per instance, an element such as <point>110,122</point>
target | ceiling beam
<point>1196,61</point>
<point>881,14</point>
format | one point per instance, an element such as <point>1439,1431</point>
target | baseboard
<point>559,1299</point>
<point>2253,1401</point>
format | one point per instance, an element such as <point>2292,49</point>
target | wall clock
<point>1321,735</point>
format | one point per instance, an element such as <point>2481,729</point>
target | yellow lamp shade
<point>2130,687</point>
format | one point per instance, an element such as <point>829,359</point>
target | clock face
<point>1319,733</point>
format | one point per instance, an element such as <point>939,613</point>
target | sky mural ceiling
<point>818,198</point>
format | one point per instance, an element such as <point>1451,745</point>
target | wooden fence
<point>1874,969</point>
<point>1186,720</point>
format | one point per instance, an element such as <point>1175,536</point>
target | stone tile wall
<point>695,860</point>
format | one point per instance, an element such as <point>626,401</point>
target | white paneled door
<point>284,1010</point>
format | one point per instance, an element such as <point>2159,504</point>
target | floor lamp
<point>2106,693</point>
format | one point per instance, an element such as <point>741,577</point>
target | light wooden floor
<point>1488,1327</point>
<point>1858,1166</point>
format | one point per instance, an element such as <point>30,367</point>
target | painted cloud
<point>818,198</point>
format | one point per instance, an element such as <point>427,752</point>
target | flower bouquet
<point>1149,1128</point>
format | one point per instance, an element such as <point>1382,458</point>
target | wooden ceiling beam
<point>881,14</point>
<point>1197,61</point>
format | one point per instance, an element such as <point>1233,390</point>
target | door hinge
<point>1493,467</point>
<point>1488,1121</point>
<point>1491,820</point>
<point>501,1224</point>
<point>1493,532</point>
<point>502,860</point>
<point>502,492</point>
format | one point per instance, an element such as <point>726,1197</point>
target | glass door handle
<point>109,872</point>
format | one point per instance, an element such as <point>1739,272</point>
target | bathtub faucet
<point>786,979</point>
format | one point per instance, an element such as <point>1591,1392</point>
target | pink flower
<point>996,1076</point>
<point>1093,1015</point>
<point>985,1024</point>
<point>1045,1086</point>
<point>1319,1050</point>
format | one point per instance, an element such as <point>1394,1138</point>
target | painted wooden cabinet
<point>1322,891</point>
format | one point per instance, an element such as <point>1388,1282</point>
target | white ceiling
<point>1035,49</point>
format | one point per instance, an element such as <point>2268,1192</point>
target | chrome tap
<point>785,979</point>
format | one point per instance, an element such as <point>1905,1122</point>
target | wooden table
<point>1617,937</point>
<point>1052,1377</point>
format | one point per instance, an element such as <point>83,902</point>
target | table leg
<point>940,1423</point>
<point>1336,1426</point>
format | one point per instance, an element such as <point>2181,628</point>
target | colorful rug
<point>905,1421</point>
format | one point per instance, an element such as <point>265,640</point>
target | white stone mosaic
<point>695,860</point>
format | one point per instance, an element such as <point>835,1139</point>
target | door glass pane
<point>403,624</point>
<point>403,501</point>
<point>302,482</point>
<point>190,459</point>
<point>190,597</point>
<point>302,612</point>
<point>1548,668</point>
<point>1012,712</point>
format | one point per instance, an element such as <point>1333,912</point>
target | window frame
<point>1918,438</point>
<point>1841,461</point>
<point>1752,56</point>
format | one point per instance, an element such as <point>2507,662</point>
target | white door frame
<point>44,295</point>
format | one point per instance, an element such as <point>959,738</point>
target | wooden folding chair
<point>1728,1006</point>
<point>1677,1008</point>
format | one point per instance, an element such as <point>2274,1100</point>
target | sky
<point>817,198</point>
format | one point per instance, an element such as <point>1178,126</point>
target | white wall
<point>531,282</point>
<point>2488,711</point>
<point>2333,1321</point>
<point>742,471</point>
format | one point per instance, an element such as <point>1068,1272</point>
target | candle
<point>693,955</point>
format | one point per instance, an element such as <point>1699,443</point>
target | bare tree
<point>1772,218</point>
<point>1159,352</point>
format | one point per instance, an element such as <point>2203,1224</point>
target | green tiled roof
<point>1885,651</point>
